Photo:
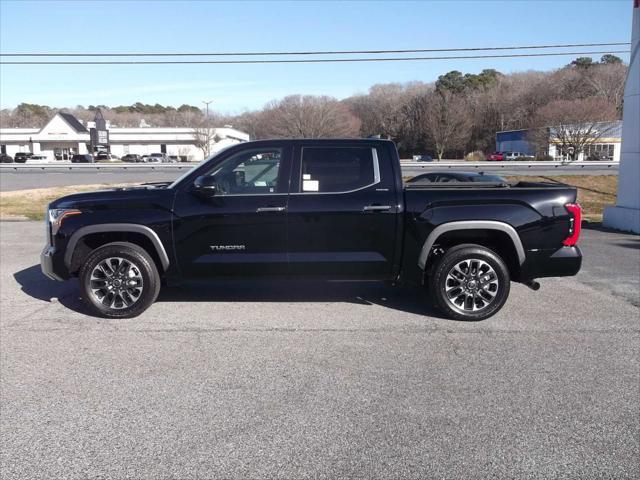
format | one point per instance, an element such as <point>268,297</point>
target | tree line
<point>458,114</point>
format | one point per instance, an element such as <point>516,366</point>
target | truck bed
<point>427,185</point>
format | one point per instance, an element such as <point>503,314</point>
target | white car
<point>160,157</point>
<point>513,155</point>
<point>38,159</point>
<point>151,159</point>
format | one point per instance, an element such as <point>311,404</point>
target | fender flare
<point>116,227</point>
<point>470,225</point>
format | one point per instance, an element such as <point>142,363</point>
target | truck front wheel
<point>470,282</point>
<point>119,280</point>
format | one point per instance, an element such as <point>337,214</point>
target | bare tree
<point>252,122</point>
<point>383,111</point>
<point>607,82</point>
<point>309,116</point>
<point>380,111</point>
<point>203,137</point>
<point>572,125</point>
<point>446,121</point>
<point>204,133</point>
<point>7,119</point>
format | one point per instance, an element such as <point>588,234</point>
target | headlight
<point>57,216</point>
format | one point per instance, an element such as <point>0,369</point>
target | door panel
<point>235,233</point>
<point>342,234</point>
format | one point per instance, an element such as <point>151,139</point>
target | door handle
<point>376,208</point>
<point>270,209</point>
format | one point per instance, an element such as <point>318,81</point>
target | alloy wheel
<point>116,283</point>
<point>471,285</point>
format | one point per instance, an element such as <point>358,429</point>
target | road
<point>22,180</point>
<point>304,380</point>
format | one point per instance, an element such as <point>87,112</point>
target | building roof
<point>73,122</point>
<point>516,130</point>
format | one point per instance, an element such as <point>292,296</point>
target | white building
<point>606,144</point>
<point>64,135</point>
<point>606,147</point>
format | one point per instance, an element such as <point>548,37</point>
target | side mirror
<point>205,185</point>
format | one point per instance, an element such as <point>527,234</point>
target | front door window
<point>252,172</point>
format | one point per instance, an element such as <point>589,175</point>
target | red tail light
<point>575,211</point>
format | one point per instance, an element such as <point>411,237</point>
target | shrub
<point>544,158</point>
<point>475,156</point>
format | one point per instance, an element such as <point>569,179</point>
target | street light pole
<point>206,122</point>
<point>207,104</point>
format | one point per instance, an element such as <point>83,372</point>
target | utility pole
<point>207,104</point>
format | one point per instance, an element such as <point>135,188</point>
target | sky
<point>203,26</point>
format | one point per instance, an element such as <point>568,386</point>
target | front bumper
<point>46,263</point>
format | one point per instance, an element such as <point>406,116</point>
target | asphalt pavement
<point>58,176</point>
<point>24,180</point>
<point>306,380</point>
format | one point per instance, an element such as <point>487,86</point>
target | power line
<point>319,52</point>
<point>310,60</point>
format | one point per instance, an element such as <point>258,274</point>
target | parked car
<point>511,156</point>
<point>82,158</point>
<point>478,177</point>
<point>4,158</point>
<point>496,156</point>
<point>21,157</point>
<point>106,157</point>
<point>268,208</point>
<point>161,157</point>
<point>38,159</point>
<point>132,157</point>
<point>151,159</point>
<point>422,158</point>
<point>174,159</point>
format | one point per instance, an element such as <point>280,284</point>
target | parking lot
<point>307,380</point>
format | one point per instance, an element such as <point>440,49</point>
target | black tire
<point>478,297</point>
<point>146,273</point>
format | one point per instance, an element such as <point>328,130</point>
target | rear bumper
<point>564,262</point>
<point>46,263</point>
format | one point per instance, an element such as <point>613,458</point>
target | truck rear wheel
<point>470,282</point>
<point>119,280</point>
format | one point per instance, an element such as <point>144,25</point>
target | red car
<point>496,156</point>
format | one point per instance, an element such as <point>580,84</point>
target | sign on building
<point>99,135</point>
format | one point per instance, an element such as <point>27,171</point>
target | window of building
<point>252,172</point>
<point>332,169</point>
<point>599,151</point>
<point>125,149</point>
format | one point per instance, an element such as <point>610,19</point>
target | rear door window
<point>338,169</point>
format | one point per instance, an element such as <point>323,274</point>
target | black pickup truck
<point>331,209</point>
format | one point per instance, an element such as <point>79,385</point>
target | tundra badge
<point>217,248</point>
